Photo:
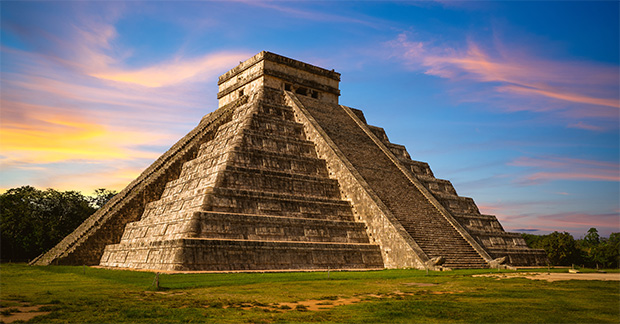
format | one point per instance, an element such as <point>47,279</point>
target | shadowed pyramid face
<point>282,177</point>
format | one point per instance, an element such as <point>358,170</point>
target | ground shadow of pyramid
<point>282,177</point>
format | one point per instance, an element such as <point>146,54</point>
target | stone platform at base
<point>225,255</point>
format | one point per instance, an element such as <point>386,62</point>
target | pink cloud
<point>175,71</point>
<point>582,125</point>
<point>557,94</point>
<point>559,168</point>
<point>577,223</point>
<point>573,84</point>
<point>573,176</point>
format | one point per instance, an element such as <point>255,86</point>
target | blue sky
<point>517,103</point>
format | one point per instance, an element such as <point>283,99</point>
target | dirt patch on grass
<point>555,276</point>
<point>319,305</point>
<point>330,302</point>
<point>20,312</point>
<point>419,284</point>
<point>167,293</point>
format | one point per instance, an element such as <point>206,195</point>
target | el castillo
<point>283,177</point>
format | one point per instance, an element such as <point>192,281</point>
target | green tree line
<point>591,251</point>
<point>33,221</point>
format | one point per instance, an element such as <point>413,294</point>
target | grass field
<point>83,294</point>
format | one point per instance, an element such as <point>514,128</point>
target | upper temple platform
<point>270,70</point>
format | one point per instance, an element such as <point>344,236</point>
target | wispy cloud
<point>582,125</point>
<point>575,223</point>
<point>521,75</point>
<point>558,168</point>
<point>511,215</point>
<point>309,14</point>
<point>175,71</point>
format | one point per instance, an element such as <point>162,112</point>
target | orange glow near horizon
<point>61,138</point>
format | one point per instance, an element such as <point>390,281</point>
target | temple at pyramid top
<point>283,177</point>
<point>268,70</point>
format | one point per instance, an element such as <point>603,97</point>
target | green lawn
<point>78,294</point>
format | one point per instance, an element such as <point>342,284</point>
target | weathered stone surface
<point>283,177</point>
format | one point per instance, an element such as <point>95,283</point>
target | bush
<point>592,251</point>
<point>33,221</point>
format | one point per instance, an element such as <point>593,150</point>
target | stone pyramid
<point>282,177</point>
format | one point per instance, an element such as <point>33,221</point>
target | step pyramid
<point>282,177</point>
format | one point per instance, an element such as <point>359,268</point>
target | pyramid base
<point>521,257</point>
<point>239,255</point>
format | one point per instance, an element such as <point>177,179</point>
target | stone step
<point>277,228</point>
<point>475,216</point>
<point>276,111</point>
<point>266,124</point>
<point>229,255</point>
<point>466,265</point>
<point>289,163</point>
<point>277,204</point>
<point>277,144</point>
<point>437,238</point>
<point>418,167</point>
<point>201,164</point>
<point>399,151</point>
<point>441,251</point>
<point>494,233</point>
<point>457,204</point>
<point>278,182</point>
<point>435,185</point>
<point>245,227</point>
<point>379,132</point>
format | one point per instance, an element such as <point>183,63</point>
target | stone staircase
<point>420,218</point>
<point>255,198</point>
<point>485,229</point>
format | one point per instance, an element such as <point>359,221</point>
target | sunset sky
<point>517,103</point>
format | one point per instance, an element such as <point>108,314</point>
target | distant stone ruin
<point>282,177</point>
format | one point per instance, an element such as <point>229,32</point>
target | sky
<point>515,102</point>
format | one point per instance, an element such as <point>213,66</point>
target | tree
<point>612,251</point>
<point>102,196</point>
<point>532,240</point>
<point>603,252</point>
<point>32,221</point>
<point>592,251</point>
<point>592,238</point>
<point>561,248</point>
